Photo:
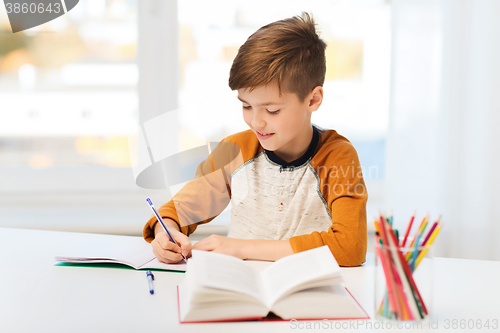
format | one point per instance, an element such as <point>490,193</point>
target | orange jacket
<point>318,199</point>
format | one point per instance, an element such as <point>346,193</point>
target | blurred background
<point>414,86</point>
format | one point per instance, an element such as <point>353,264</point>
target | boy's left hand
<point>220,244</point>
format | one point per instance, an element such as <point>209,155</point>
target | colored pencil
<point>376,225</point>
<point>391,283</point>
<point>431,231</point>
<point>401,279</point>
<point>384,307</point>
<point>426,217</point>
<point>385,267</point>
<point>431,240</point>
<point>420,230</point>
<point>408,229</point>
<point>414,254</point>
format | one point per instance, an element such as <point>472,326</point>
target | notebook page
<point>120,248</point>
<point>155,263</point>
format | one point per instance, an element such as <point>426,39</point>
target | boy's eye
<point>248,107</point>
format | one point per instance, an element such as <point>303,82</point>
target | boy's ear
<point>315,98</point>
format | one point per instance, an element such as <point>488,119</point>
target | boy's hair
<point>288,51</point>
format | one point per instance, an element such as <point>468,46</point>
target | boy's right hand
<point>168,252</point>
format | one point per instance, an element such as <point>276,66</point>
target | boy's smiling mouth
<point>263,135</point>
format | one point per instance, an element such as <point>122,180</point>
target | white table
<point>36,296</point>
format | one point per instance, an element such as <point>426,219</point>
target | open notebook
<point>131,251</point>
<point>304,285</point>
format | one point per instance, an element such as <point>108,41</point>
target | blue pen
<point>160,219</point>
<point>151,277</point>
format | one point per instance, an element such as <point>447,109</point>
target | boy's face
<point>282,123</point>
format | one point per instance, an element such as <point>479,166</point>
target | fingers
<point>207,244</point>
<point>167,257</point>
<point>165,250</point>
<point>201,245</point>
<point>220,244</point>
<point>165,243</point>
<point>184,243</point>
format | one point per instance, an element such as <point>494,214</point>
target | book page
<point>332,302</point>
<point>303,268</point>
<point>225,272</point>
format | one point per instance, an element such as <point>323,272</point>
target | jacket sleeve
<point>343,187</point>
<point>205,196</point>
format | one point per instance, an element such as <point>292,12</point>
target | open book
<point>305,285</point>
<point>112,249</point>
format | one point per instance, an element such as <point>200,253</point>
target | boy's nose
<point>258,121</point>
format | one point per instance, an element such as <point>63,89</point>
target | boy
<point>291,185</point>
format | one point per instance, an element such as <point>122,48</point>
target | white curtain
<point>443,149</point>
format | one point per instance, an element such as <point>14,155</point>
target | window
<point>68,88</point>
<point>68,102</point>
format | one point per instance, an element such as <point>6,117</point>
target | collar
<point>299,161</point>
